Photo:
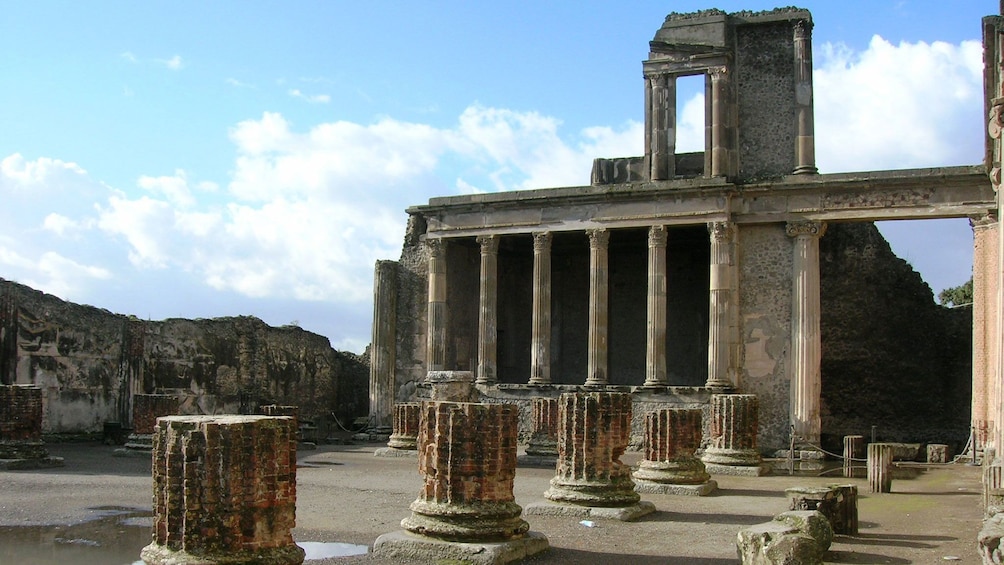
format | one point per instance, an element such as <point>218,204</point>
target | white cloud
<point>239,84</point>
<point>42,172</point>
<point>174,188</point>
<point>174,63</point>
<point>128,56</point>
<point>898,106</point>
<point>312,98</point>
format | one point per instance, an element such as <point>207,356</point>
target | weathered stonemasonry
<point>733,431</point>
<point>407,416</point>
<point>224,491</point>
<point>91,364</point>
<point>592,435</point>
<point>146,408</point>
<point>21,422</point>
<point>467,456</point>
<point>544,438</point>
<point>671,438</point>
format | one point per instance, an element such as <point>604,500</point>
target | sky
<point>193,159</point>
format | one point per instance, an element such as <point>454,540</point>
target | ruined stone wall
<point>892,358</point>
<point>765,275</point>
<point>412,310</point>
<point>89,362</point>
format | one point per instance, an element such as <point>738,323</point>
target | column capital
<point>598,237</point>
<point>657,236</point>
<point>489,244</point>
<point>542,240</point>
<point>979,221</point>
<point>805,228</point>
<point>721,232</point>
<point>436,246</point>
<point>803,29</point>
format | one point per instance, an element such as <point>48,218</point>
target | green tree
<point>957,295</point>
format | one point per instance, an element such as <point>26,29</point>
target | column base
<point>618,492</point>
<point>535,460</point>
<point>402,442</point>
<point>735,457</point>
<point>395,452</point>
<point>738,470</point>
<point>484,521</point>
<point>403,545</point>
<point>155,554</point>
<point>622,513</point>
<point>689,471</point>
<point>649,487</point>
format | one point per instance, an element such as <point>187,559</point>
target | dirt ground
<point>96,510</point>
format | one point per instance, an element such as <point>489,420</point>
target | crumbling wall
<point>90,361</point>
<point>892,358</point>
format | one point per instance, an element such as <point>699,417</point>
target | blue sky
<point>191,159</point>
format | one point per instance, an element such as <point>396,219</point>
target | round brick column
<point>406,418</point>
<point>734,425</point>
<point>21,422</point>
<point>467,454</point>
<point>672,435</point>
<point>224,491</point>
<point>544,440</point>
<point>593,432</point>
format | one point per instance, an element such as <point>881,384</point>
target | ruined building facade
<point>673,276</point>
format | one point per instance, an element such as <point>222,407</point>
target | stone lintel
<point>404,545</point>
<point>622,513</point>
<point>650,487</point>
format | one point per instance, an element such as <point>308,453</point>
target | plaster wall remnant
<point>586,294</point>
<point>224,490</point>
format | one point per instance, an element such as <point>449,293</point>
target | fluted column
<point>544,439</point>
<point>540,338</point>
<point>806,353</point>
<point>720,362</point>
<point>406,421</point>
<point>435,359</point>
<point>661,123</point>
<point>488,311</point>
<point>720,143</point>
<point>734,426</point>
<point>383,351</point>
<point>672,435</point>
<point>805,145</point>
<point>880,467</point>
<point>596,370</point>
<point>655,352</point>
<point>985,386</point>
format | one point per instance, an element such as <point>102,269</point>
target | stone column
<point>488,310</point>
<point>985,384</point>
<point>672,435</point>
<point>383,351</point>
<point>806,352</point>
<point>544,438</point>
<point>805,146</point>
<point>406,425</point>
<point>593,433</point>
<point>655,352</point>
<point>224,491</point>
<point>596,370</point>
<point>435,358</point>
<point>734,427</point>
<point>467,456</point>
<point>721,365</point>
<point>21,428</point>
<point>853,446</point>
<point>540,338</point>
<point>880,467</point>
<point>661,122</point>
<point>452,386</point>
<point>721,147</point>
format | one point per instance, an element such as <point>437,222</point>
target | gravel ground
<point>96,510</point>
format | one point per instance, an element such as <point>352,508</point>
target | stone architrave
<point>734,426</point>
<point>540,335</point>
<point>21,445</point>
<point>224,491</point>
<point>596,362</point>
<point>806,349</point>
<point>435,357</point>
<point>590,479</point>
<point>544,437</point>
<point>383,351</point>
<point>672,435</point>
<point>466,509</point>
<point>655,351</point>
<point>721,306</point>
<point>488,310</point>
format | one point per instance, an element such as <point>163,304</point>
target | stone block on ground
<point>988,541</point>
<point>937,453</point>
<point>776,543</point>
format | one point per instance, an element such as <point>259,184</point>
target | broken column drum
<point>880,467</point>
<point>734,424</point>
<point>593,433</point>
<point>21,422</point>
<point>224,491</point>
<point>467,455</point>
<point>544,439</point>
<point>406,420</point>
<point>672,435</point>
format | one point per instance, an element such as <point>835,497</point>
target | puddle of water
<point>115,537</point>
<point>327,550</point>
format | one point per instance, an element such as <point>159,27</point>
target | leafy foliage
<point>957,295</point>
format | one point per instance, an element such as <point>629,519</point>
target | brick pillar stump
<point>146,408</point>
<point>542,449</point>
<point>880,467</point>
<point>403,442</point>
<point>466,510</point>
<point>672,435</point>
<point>224,491</point>
<point>21,445</point>
<point>593,433</point>
<point>734,426</point>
